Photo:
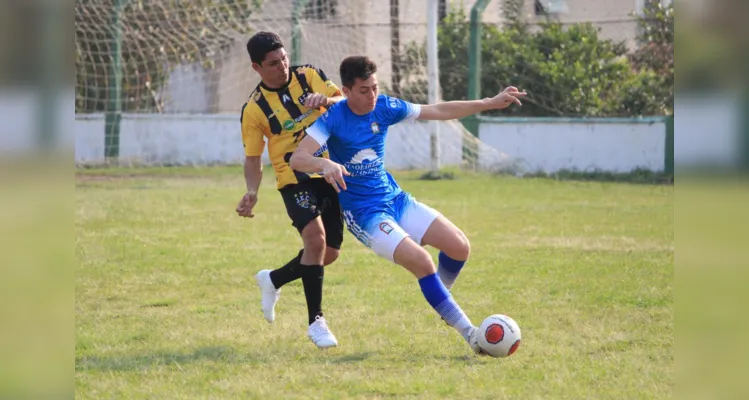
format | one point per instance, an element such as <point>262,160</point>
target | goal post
<point>162,82</point>
<point>433,79</point>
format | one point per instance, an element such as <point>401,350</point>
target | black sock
<point>289,272</point>
<point>312,278</point>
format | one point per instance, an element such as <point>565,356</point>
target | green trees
<point>568,71</point>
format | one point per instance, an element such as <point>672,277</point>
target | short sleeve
<point>320,130</point>
<point>252,133</point>
<point>400,110</point>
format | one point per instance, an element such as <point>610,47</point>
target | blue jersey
<point>358,143</point>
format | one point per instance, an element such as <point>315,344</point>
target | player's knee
<point>331,255</point>
<point>418,262</point>
<point>463,247</point>
<point>314,243</point>
<point>460,247</point>
<point>424,265</point>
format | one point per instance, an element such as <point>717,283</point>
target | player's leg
<point>391,241</point>
<point>288,273</point>
<point>332,220</point>
<point>313,236</point>
<point>428,227</point>
<point>326,233</point>
<point>322,241</point>
<point>301,206</point>
<point>298,210</point>
<point>312,271</point>
<point>270,282</point>
<point>454,248</point>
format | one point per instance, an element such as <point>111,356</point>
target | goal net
<point>184,74</point>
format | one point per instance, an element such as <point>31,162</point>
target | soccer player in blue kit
<point>381,215</point>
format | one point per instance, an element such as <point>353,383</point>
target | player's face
<point>274,71</point>
<point>363,94</point>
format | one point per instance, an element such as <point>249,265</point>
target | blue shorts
<point>383,226</point>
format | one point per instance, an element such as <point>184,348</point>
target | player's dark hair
<point>356,67</point>
<point>262,43</point>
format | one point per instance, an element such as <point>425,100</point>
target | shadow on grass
<point>350,358</point>
<point>636,176</point>
<point>161,358</point>
<point>222,354</point>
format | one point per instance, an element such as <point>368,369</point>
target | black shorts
<point>309,199</point>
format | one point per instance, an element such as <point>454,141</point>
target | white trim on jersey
<point>319,132</point>
<point>414,110</point>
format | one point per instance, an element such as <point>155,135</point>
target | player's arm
<point>252,138</point>
<point>326,92</point>
<point>317,100</point>
<point>304,160</point>
<point>459,109</point>
<point>253,173</point>
<point>334,99</point>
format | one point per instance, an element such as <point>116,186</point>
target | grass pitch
<point>166,305</point>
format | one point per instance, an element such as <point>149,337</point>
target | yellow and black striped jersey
<point>279,115</point>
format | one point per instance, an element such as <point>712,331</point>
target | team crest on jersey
<point>375,127</point>
<point>289,125</point>
<point>386,228</point>
<point>302,199</point>
<point>303,98</point>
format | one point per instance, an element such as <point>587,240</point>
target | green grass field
<point>167,307</point>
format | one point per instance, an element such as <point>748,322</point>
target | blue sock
<point>449,269</point>
<point>440,299</point>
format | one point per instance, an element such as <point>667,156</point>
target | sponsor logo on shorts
<point>302,199</point>
<point>386,227</point>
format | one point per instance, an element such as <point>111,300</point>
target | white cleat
<point>269,294</point>
<point>320,334</point>
<point>473,341</point>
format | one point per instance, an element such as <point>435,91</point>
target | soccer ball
<point>499,336</point>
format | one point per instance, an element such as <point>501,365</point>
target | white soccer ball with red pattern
<point>499,336</point>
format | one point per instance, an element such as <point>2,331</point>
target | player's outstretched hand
<point>245,206</point>
<point>334,173</point>
<point>506,97</point>
<point>316,100</point>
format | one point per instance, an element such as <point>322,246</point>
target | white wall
<point>408,146</point>
<point>551,145</point>
<point>20,117</point>
<point>706,133</point>
<point>166,139</point>
<point>546,145</point>
<point>89,138</point>
<point>181,139</point>
<point>706,130</point>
